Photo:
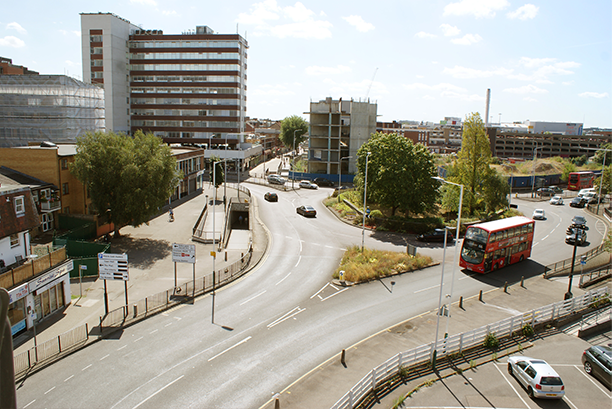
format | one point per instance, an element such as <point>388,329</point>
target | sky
<point>420,60</point>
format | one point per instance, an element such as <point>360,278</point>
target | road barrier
<point>563,267</point>
<point>457,343</point>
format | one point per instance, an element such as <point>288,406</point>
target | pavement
<point>152,271</point>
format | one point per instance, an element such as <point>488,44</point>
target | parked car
<point>276,179</point>
<point>323,182</point>
<point>436,235</point>
<point>307,211</point>
<point>578,202</point>
<point>597,361</point>
<point>580,220</point>
<point>545,191</point>
<point>343,187</point>
<point>537,377</point>
<point>556,200</point>
<point>556,189</point>
<point>538,214</point>
<point>307,184</point>
<point>271,197</point>
<point>577,236</point>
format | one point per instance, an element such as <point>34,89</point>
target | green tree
<point>567,169</point>
<point>599,155</point>
<point>399,173</point>
<point>472,168</point>
<point>128,179</point>
<point>607,181</point>
<point>293,125</point>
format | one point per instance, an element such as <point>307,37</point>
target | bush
<point>491,341</point>
<point>528,330</point>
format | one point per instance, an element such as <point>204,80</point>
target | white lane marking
<point>570,402</point>
<point>121,348</point>
<point>177,318</point>
<point>136,340</point>
<point>508,382</point>
<point>288,315</point>
<point>29,404</point>
<point>153,332</point>
<point>253,297</point>
<point>545,237</point>
<point>299,259</point>
<point>104,357</point>
<point>230,348</point>
<point>334,287</point>
<point>69,378</point>
<point>159,391</point>
<point>425,289</point>
<point>317,293</point>
<point>330,296</point>
<point>49,390</point>
<point>167,325</point>
<point>592,381</point>
<point>86,367</point>
<point>283,278</point>
<point>463,278</point>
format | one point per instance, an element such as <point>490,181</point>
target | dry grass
<point>371,264</point>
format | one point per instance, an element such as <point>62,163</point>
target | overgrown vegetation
<point>372,264</point>
<point>528,330</point>
<point>491,341</point>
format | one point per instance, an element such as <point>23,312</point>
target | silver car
<point>540,380</point>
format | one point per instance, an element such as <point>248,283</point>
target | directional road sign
<point>183,253</point>
<point>113,266</point>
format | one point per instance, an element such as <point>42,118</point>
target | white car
<point>556,200</point>
<point>538,214</point>
<point>540,380</point>
<point>306,184</point>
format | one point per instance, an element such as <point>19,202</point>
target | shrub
<point>491,341</point>
<point>528,330</point>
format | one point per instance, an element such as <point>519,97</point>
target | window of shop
<point>16,315</point>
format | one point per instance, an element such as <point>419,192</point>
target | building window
<point>67,210</point>
<point>14,240</point>
<point>64,163</point>
<point>19,206</point>
<point>65,190</point>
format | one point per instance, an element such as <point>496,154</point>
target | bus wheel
<point>522,258</point>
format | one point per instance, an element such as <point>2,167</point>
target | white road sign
<point>183,253</point>
<point>113,266</point>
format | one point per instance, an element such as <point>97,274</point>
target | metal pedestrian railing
<point>563,266</point>
<point>594,276</point>
<point>459,342</point>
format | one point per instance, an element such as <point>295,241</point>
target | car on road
<point>577,236</point>
<point>590,197</point>
<point>307,211</point>
<point>556,189</point>
<point>556,200</point>
<point>537,377</point>
<point>597,361</point>
<point>583,192</point>
<point>436,235</point>
<point>580,220</point>
<point>323,182</point>
<point>276,179</point>
<point>271,197</point>
<point>545,191</point>
<point>578,202</point>
<point>538,214</point>
<point>307,184</point>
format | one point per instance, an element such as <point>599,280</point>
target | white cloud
<point>477,8</point>
<point>359,24</point>
<point>170,13</point>
<point>526,89</point>
<point>16,26</point>
<point>350,89</point>
<point>449,30</point>
<point>10,41</point>
<point>151,3</point>
<point>593,95</point>
<point>567,82</point>
<point>423,34</point>
<point>543,69</point>
<point>316,70</point>
<point>526,12</point>
<point>428,97</point>
<point>470,73</point>
<point>535,62</point>
<point>530,99</point>
<point>467,39</point>
<point>293,21</point>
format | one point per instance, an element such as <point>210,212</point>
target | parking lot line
<point>591,379</point>
<point>508,382</point>
<point>569,401</point>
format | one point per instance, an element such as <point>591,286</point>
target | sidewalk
<point>324,385</point>
<point>151,270</point>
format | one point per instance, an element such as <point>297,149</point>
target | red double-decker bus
<point>580,180</point>
<point>492,245</point>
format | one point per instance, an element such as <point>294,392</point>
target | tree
<point>128,179</point>
<point>599,155</point>
<point>399,173</point>
<point>607,181</point>
<point>567,169</point>
<point>472,168</point>
<point>293,125</point>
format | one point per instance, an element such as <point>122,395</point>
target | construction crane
<point>371,82</point>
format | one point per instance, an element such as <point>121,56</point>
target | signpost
<point>184,253</point>
<point>113,267</point>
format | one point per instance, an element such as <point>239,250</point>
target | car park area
<point>490,385</point>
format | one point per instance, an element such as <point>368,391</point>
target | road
<point>273,325</point>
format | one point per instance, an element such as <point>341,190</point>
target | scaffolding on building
<point>54,108</point>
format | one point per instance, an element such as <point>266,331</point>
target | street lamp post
<point>365,190</point>
<point>535,157</point>
<point>340,170</point>
<point>435,348</point>
<point>576,228</point>
<point>293,162</point>
<point>456,246</point>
